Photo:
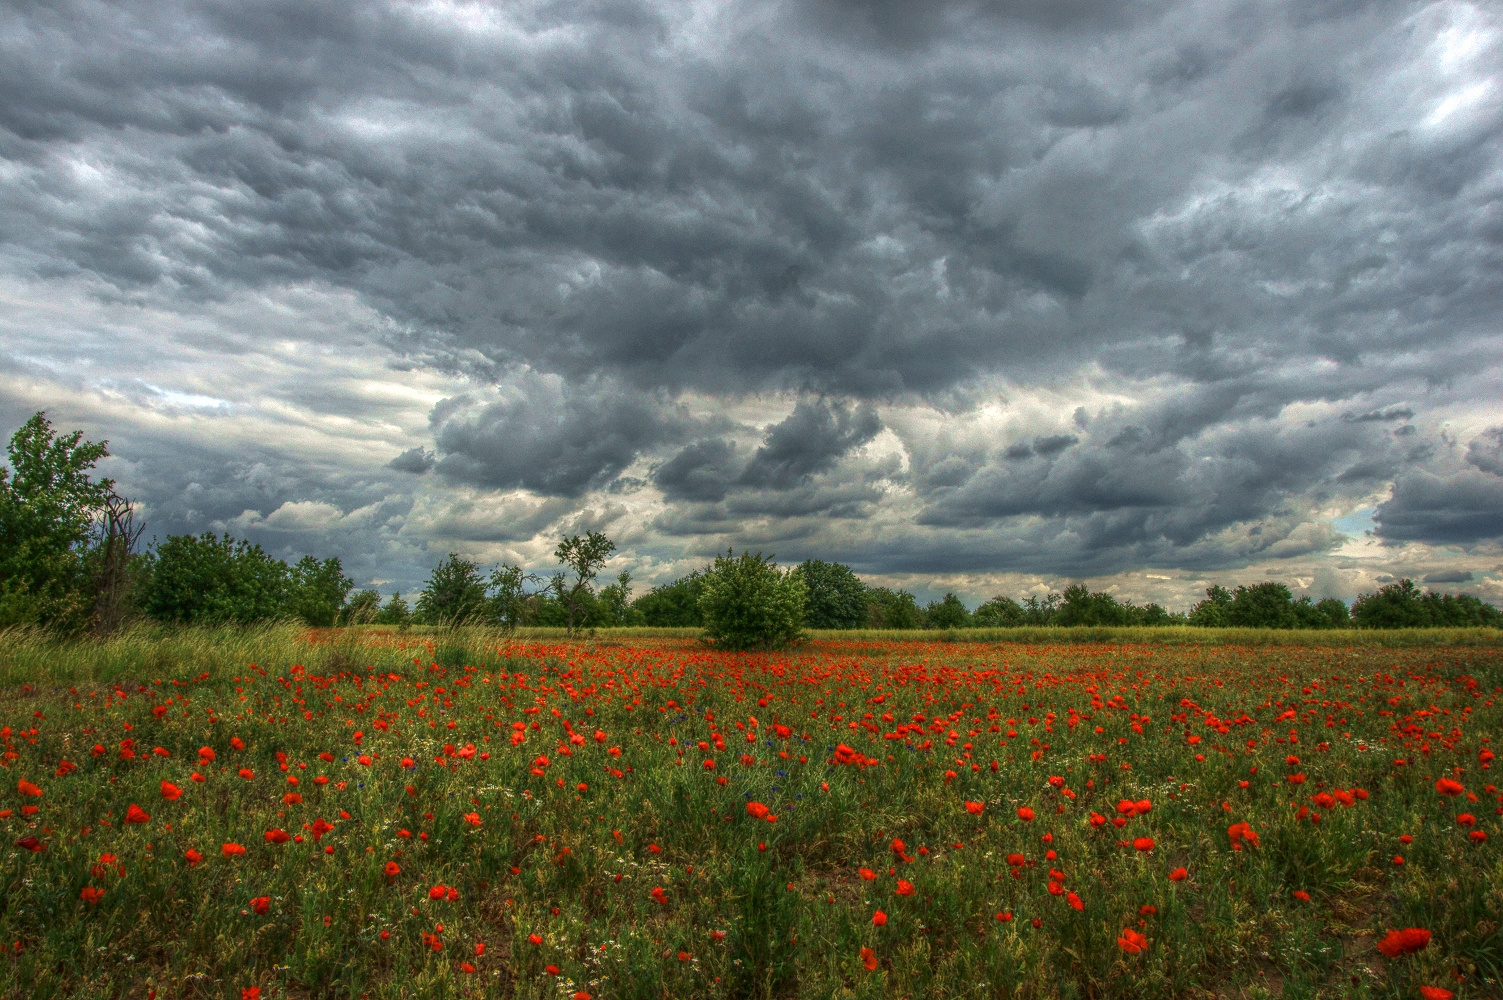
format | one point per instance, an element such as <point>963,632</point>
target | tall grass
<point>35,656</point>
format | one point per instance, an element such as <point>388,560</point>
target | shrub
<point>836,598</point>
<point>748,603</point>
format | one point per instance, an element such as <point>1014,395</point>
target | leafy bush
<point>211,579</point>
<point>673,605</point>
<point>947,613</point>
<point>748,603</point>
<point>892,609</point>
<point>1401,605</point>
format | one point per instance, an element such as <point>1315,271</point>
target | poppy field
<point>395,815</point>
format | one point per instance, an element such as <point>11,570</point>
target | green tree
<point>48,510</point>
<point>895,609</point>
<point>362,609</point>
<point>999,612</point>
<point>583,555</point>
<point>1262,605</point>
<point>673,605</point>
<point>947,613</point>
<point>1212,612</point>
<point>614,607</point>
<point>1401,605</point>
<point>316,591</point>
<point>511,605</point>
<point>215,579</point>
<point>836,596</point>
<point>1081,607</point>
<point>395,612</point>
<point>748,603</point>
<point>454,594</point>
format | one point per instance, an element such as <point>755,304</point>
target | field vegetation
<point>373,813</point>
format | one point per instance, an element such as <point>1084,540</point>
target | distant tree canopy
<point>68,562</point>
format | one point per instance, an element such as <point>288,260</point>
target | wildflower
<point>472,818</point>
<point>467,968</point>
<point>393,869</point>
<point>757,810</point>
<point>250,992</point>
<point>718,935</point>
<point>438,892</point>
<point>1410,939</point>
<point>1178,875</point>
<point>1241,833</point>
<point>194,858</point>
<point>1025,814</point>
<point>206,754</point>
<point>277,836</point>
<point>1004,917</point>
<point>535,939</point>
<point>867,874</point>
<point>974,808</point>
<point>247,773</point>
<point>91,895</point>
<point>869,959</point>
<point>1435,993</point>
<point>905,888</point>
<point>1143,844</point>
<point>1074,901</point>
<point>135,814</point>
<point>171,792</point>
<point>1446,786</point>
<point>1302,895</point>
<point>879,919</point>
<point>261,904</point>
<point>231,850</point>
<point>28,789</point>
<point>1132,942</point>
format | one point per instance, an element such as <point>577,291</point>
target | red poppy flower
<point>247,773</point>
<point>135,814</point>
<point>1302,895</point>
<point>869,959</point>
<point>1143,844</point>
<point>171,792</point>
<point>1446,786</point>
<point>438,892</point>
<point>879,919</point>
<point>1025,814</point>
<point>1178,875</point>
<point>393,869</point>
<point>1132,942</point>
<point>91,895</point>
<point>194,858</point>
<point>231,850</point>
<point>867,874</point>
<point>1410,939</point>
<point>250,993</point>
<point>535,939</point>
<point>1435,993</point>
<point>905,888</point>
<point>1074,901</point>
<point>974,808</point>
<point>28,789</point>
<point>467,968</point>
<point>31,844</point>
<point>261,904</point>
<point>277,836</point>
<point>206,754</point>
<point>321,826</point>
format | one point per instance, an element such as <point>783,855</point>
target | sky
<point>986,297</point>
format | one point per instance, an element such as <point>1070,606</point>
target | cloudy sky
<point>988,296</point>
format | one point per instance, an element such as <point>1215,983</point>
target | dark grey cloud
<point>811,439</point>
<point>1273,232</point>
<point>1486,452</point>
<point>549,436</point>
<point>1449,576</point>
<point>1463,509</point>
<point>415,460</point>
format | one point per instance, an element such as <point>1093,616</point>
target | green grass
<point>576,866</point>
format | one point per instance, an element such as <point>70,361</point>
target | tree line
<point>70,560</point>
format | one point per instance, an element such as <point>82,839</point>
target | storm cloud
<point>944,290</point>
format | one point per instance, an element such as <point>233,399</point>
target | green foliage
<point>1212,612</point>
<point>892,609</point>
<point>48,507</point>
<point>748,603</point>
<point>947,613</point>
<point>1081,607</point>
<point>613,607</point>
<point>209,579</point>
<point>454,594</point>
<point>1401,605</point>
<point>363,609</point>
<point>999,612</point>
<point>316,591</point>
<point>583,555</point>
<point>836,596</point>
<point>395,612</point>
<point>673,605</point>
